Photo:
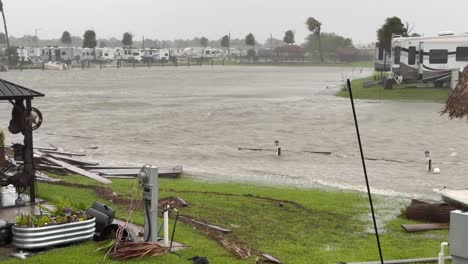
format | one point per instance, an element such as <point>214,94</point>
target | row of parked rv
<point>436,59</point>
<point>36,55</point>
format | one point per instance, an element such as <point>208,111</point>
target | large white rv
<point>430,59</point>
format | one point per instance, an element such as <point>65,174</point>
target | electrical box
<point>148,177</point>
<point>459,237</point>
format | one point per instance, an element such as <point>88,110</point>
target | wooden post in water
<point>224,60</point>
<point>212,62</point>
<point>100,65</point>
<point>43,66</point>
<point>149,63</point>
<point>82,65</point>
<point>134,65</point>
<point>21,64</point>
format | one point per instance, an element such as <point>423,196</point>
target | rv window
<point>380,53</point>
<point>64,53</point>
<point>397,51</point>
<point>438,56</point>
<point>412,55</point>
<point>106,54</point>
<point>462,53</point>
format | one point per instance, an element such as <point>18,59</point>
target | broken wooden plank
<point>76,162</point>
<point>403,261</point>
<point>182,201</point>
<point>90,167</point>
<point>270,258</point>
<point>430,213</point>
<point>75,169</point>
<point>206,225</point>
<point>64,153</point>
<point>45,178</point>
<point>412,228</point>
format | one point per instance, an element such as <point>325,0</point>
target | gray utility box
<point>459,237</point>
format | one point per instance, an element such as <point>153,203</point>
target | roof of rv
<point>438,37</point>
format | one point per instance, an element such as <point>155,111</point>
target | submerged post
<point>365,171</point>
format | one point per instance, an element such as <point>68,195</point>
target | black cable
<point>365,171</point>
<point>148,220</point>
<point>173,230</point>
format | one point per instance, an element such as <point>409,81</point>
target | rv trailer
<point>429,59</point>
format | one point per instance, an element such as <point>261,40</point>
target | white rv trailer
<point>156,55</point>
<point>87,54</point>
<point>430,59</point>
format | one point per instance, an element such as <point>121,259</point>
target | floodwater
<point>198,117</point>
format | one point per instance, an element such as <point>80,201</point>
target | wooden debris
<point>403,261</point>
<point>412,228</point>
<point>75,169</point>
<point>64,153</point>
<point>274,150</point>
<point>45,178</point>
<point>235,249</point>
<point>73,161</point>
<point>271,259</point>
<point>431,213</point>
<point>91,167</point>
<point>182,201</point>
<point>205,225</point>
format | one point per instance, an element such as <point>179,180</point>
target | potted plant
<point>68,223</point>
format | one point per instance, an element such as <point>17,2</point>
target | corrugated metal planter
<point>48,236</point>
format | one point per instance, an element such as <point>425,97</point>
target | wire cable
<point>365,171</point>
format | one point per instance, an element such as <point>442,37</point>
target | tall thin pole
<point>5,25</point>
<point>365,172</point>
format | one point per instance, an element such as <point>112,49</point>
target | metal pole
<point>365,172</point>
<point>28,154</point>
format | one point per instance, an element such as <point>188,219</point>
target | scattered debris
<point>269,258</point>
<point>275,150</point>
<point>235,249</point>
<point>412,228</point>
<point>129,250</point>
<point>427,212</point>
<point>182,201</point>
<point>72,168</point>
<point>204,225</point>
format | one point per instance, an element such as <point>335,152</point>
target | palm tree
<point>6,29</point>
<point>315,27</point>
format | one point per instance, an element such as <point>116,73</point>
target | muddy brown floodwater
<point>197,117</point>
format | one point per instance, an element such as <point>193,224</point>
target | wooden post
<point>134,65</point>
<point>212,62</point>
<point>43,66</point>
<point>100,65</point>
<point>82,65</point>
<point>224,60</point>
<point>21,64</point>
<point>28,168</point>
<point>149,63</point>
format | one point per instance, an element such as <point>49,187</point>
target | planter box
<point>48,236</point>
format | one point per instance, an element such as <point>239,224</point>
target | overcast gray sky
<point>172,19</point>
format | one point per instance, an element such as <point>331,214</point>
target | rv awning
<point>11,91</point>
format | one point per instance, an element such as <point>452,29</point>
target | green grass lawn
<point>410,92</point>
<point>316,226</point>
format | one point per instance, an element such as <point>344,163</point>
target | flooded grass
<point>407,92</point>
<point>312,226</point>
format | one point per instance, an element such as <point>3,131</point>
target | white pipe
<point>166,227</point>
<point>443,245</point>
